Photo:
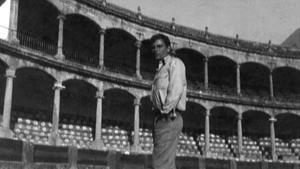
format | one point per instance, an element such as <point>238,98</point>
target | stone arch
<point>256,124</point>
<point>194,117</point>
<point>146,113</point>
<point>78,103</point>
<point>3,68</point>
<point>286,84</point>
<point>76,77</point>
<point>120,51</point>
<point>148,62</point>
<point>118,108</point>
<point>223,120</point>
<point>287,126</point>
<point>194,63</point>
<point>222,74</point>
<point>33,66</point>
<point>39,25</point>
<point>258,62</point>
<point>255,79</point>
<point>81,39</point>
<point>32,95</point>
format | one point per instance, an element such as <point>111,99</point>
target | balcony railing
<point>36,43</point>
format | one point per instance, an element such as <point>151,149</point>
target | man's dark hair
<point>164,38</point>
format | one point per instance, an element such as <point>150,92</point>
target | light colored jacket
<point>169,85</point>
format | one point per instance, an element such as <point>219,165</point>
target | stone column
<point>206,73</point>
<point>5,129</point>
<point>271,85</point>
<point>13,21</point>
<point>207,134</point>
<point>138,59</point>
<point>240,134</point>
<point>238,79</point>
<point>136,141</point>
<point>98,143</point>
<point>101,49</point>
<point>60,54</point>
<point>272,133</point>
<point>54,136</point>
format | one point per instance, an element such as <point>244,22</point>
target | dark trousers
<point>166,133</point>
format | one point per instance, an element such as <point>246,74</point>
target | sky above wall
<point>256,20</point>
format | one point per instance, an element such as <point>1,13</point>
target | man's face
<point>160,49</point>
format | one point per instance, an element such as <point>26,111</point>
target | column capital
<point>207,112</point>
<point>102,31</point>
<point>61,16</point>
<point>138,44</point>
<point>272,119</point>
<point>137,101</point>
<point>10,73</point>
<point>240,116</point>
<point>100,94</point>
<point>205,59</point>
<point>58,86</point>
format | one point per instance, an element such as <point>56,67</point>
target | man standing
<point>168,97</point>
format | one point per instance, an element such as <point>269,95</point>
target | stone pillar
<point>271,85</point>
<point>206,73</point>
<point>138,59</point>
<point>101,49</point>
<point>238,79</point>
<point>54,136</point>
<point>207,134</point>
<point>98,143</point>
<point>5,129</point>
<point>13,21</point>
<point>136,141</point>
<point>240,134</point>
<point>60,54</point>
<point>272,133</point>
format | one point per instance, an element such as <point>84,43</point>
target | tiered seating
<point>201,142</point>
<point>115,138</point>
<point>32,131</point>
<point>250,151</point>
<point>265,144</point>
<point>187,146</point>
<point>218,147</point>
<point>295,146</point>
<point>282,149</point>
<point>146,140</point>
<point>75,135</point>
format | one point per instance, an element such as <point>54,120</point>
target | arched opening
<point>286,84</point>
<point>148,62</point>
<point>223,121</point>
<point>194,64</point>
<point>255,80</point>
<point>32,102</point>
<point>81,40</point>
<point>222,75</point>
<point>287,130</point>
<point>223,129</point>
<point>256,134</point>
<point>3,68</point>
<point>118,119</point>
<point>120,51</point>
<point>38,25</point>
<point>77,112</point>
<point>287,126</point>
<point>146,114</point>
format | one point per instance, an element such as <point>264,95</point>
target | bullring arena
<point>75,84</point>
